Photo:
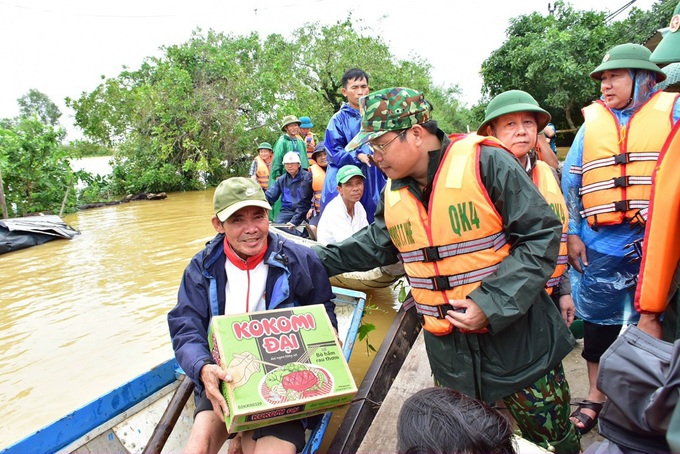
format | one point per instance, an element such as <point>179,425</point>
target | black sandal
<point>587,421</point>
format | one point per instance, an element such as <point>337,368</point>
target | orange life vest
<point>318,177</point>
<point>618,161</point>
<point>459,240</point>
<point>661,246</point>
<point>547,184</point>
<point>262,172</point>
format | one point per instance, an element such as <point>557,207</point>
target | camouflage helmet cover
<point>390,109</point>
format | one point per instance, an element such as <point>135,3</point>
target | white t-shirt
<point>245,288</point>
<point>336,224</point>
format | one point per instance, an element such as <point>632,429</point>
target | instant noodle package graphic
<point>286,364</point>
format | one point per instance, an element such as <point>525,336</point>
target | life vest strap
<point>618,182</point>
<point>436,253</point>
<point>554,281</point>
<point>622,158</point>
<point>621,205</point>
<point>443,283</point>
<point>434,311</point>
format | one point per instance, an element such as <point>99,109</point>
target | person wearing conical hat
<point>606,183</point>
<point>478,243</point>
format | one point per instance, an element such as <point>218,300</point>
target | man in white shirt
<point>344,215</point>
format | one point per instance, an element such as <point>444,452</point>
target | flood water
<point>82,316</point>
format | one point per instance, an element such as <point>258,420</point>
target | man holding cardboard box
<point>245,268</point>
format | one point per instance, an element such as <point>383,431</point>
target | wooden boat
<point>380,277</point>
<point>21,233</point>
<point>126,419</point>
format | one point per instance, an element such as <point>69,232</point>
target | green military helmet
<point>513,101</point>
<point>289,119</point>
<point>627,56</point>
<point>265,146</point>
<point>668,50</point>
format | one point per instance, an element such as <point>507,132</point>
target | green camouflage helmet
<point>513,101</point>
<point>288,120</point>
<point>390,109</point>
<point>668,50</point>
<point>628,56</point>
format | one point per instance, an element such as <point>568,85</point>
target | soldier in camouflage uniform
<point>491,332</point>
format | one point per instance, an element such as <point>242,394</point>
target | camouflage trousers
<point>541,411</point>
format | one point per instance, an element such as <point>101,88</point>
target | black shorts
<point>290,431</point>
<point>597,339</point>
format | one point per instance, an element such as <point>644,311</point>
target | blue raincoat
<point>343,126</point>
<point>604,293</point>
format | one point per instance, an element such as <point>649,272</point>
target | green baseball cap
<point>265,146</point>
<point>668,50</point>
<point>513,101</point>
<point>289,119</point>
<point>628,56</point>
<point>236,193</point>
<point>347,172</point>
<point>390,109</point>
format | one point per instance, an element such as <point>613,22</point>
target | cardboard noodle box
<point>286,364</point>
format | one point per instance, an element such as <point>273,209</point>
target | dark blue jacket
<point>295,193</point>
<point>296,278</point>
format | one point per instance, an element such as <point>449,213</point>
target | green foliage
<point>551,57</point>
<point>36,103</point>
<point>193,116</point>
<point>35,168</point>
<point>86,148</point>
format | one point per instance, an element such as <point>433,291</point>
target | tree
<point>35,169</point>
<point>551,57</point>
<point>193,116</point>
<point>39,104</point>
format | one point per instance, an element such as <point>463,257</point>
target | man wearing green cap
<point>261,166</point>
<point>344,215</point>
<point>245,268</point>
<point>478,243</point>
<point>515,118</point>
<point>606,182</point>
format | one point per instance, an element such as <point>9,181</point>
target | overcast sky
<point>63,47</point>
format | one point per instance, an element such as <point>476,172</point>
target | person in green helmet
<point>606,183</point>
<point>478,243</point>
<point>515,118</point>
<point>261,166</point>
